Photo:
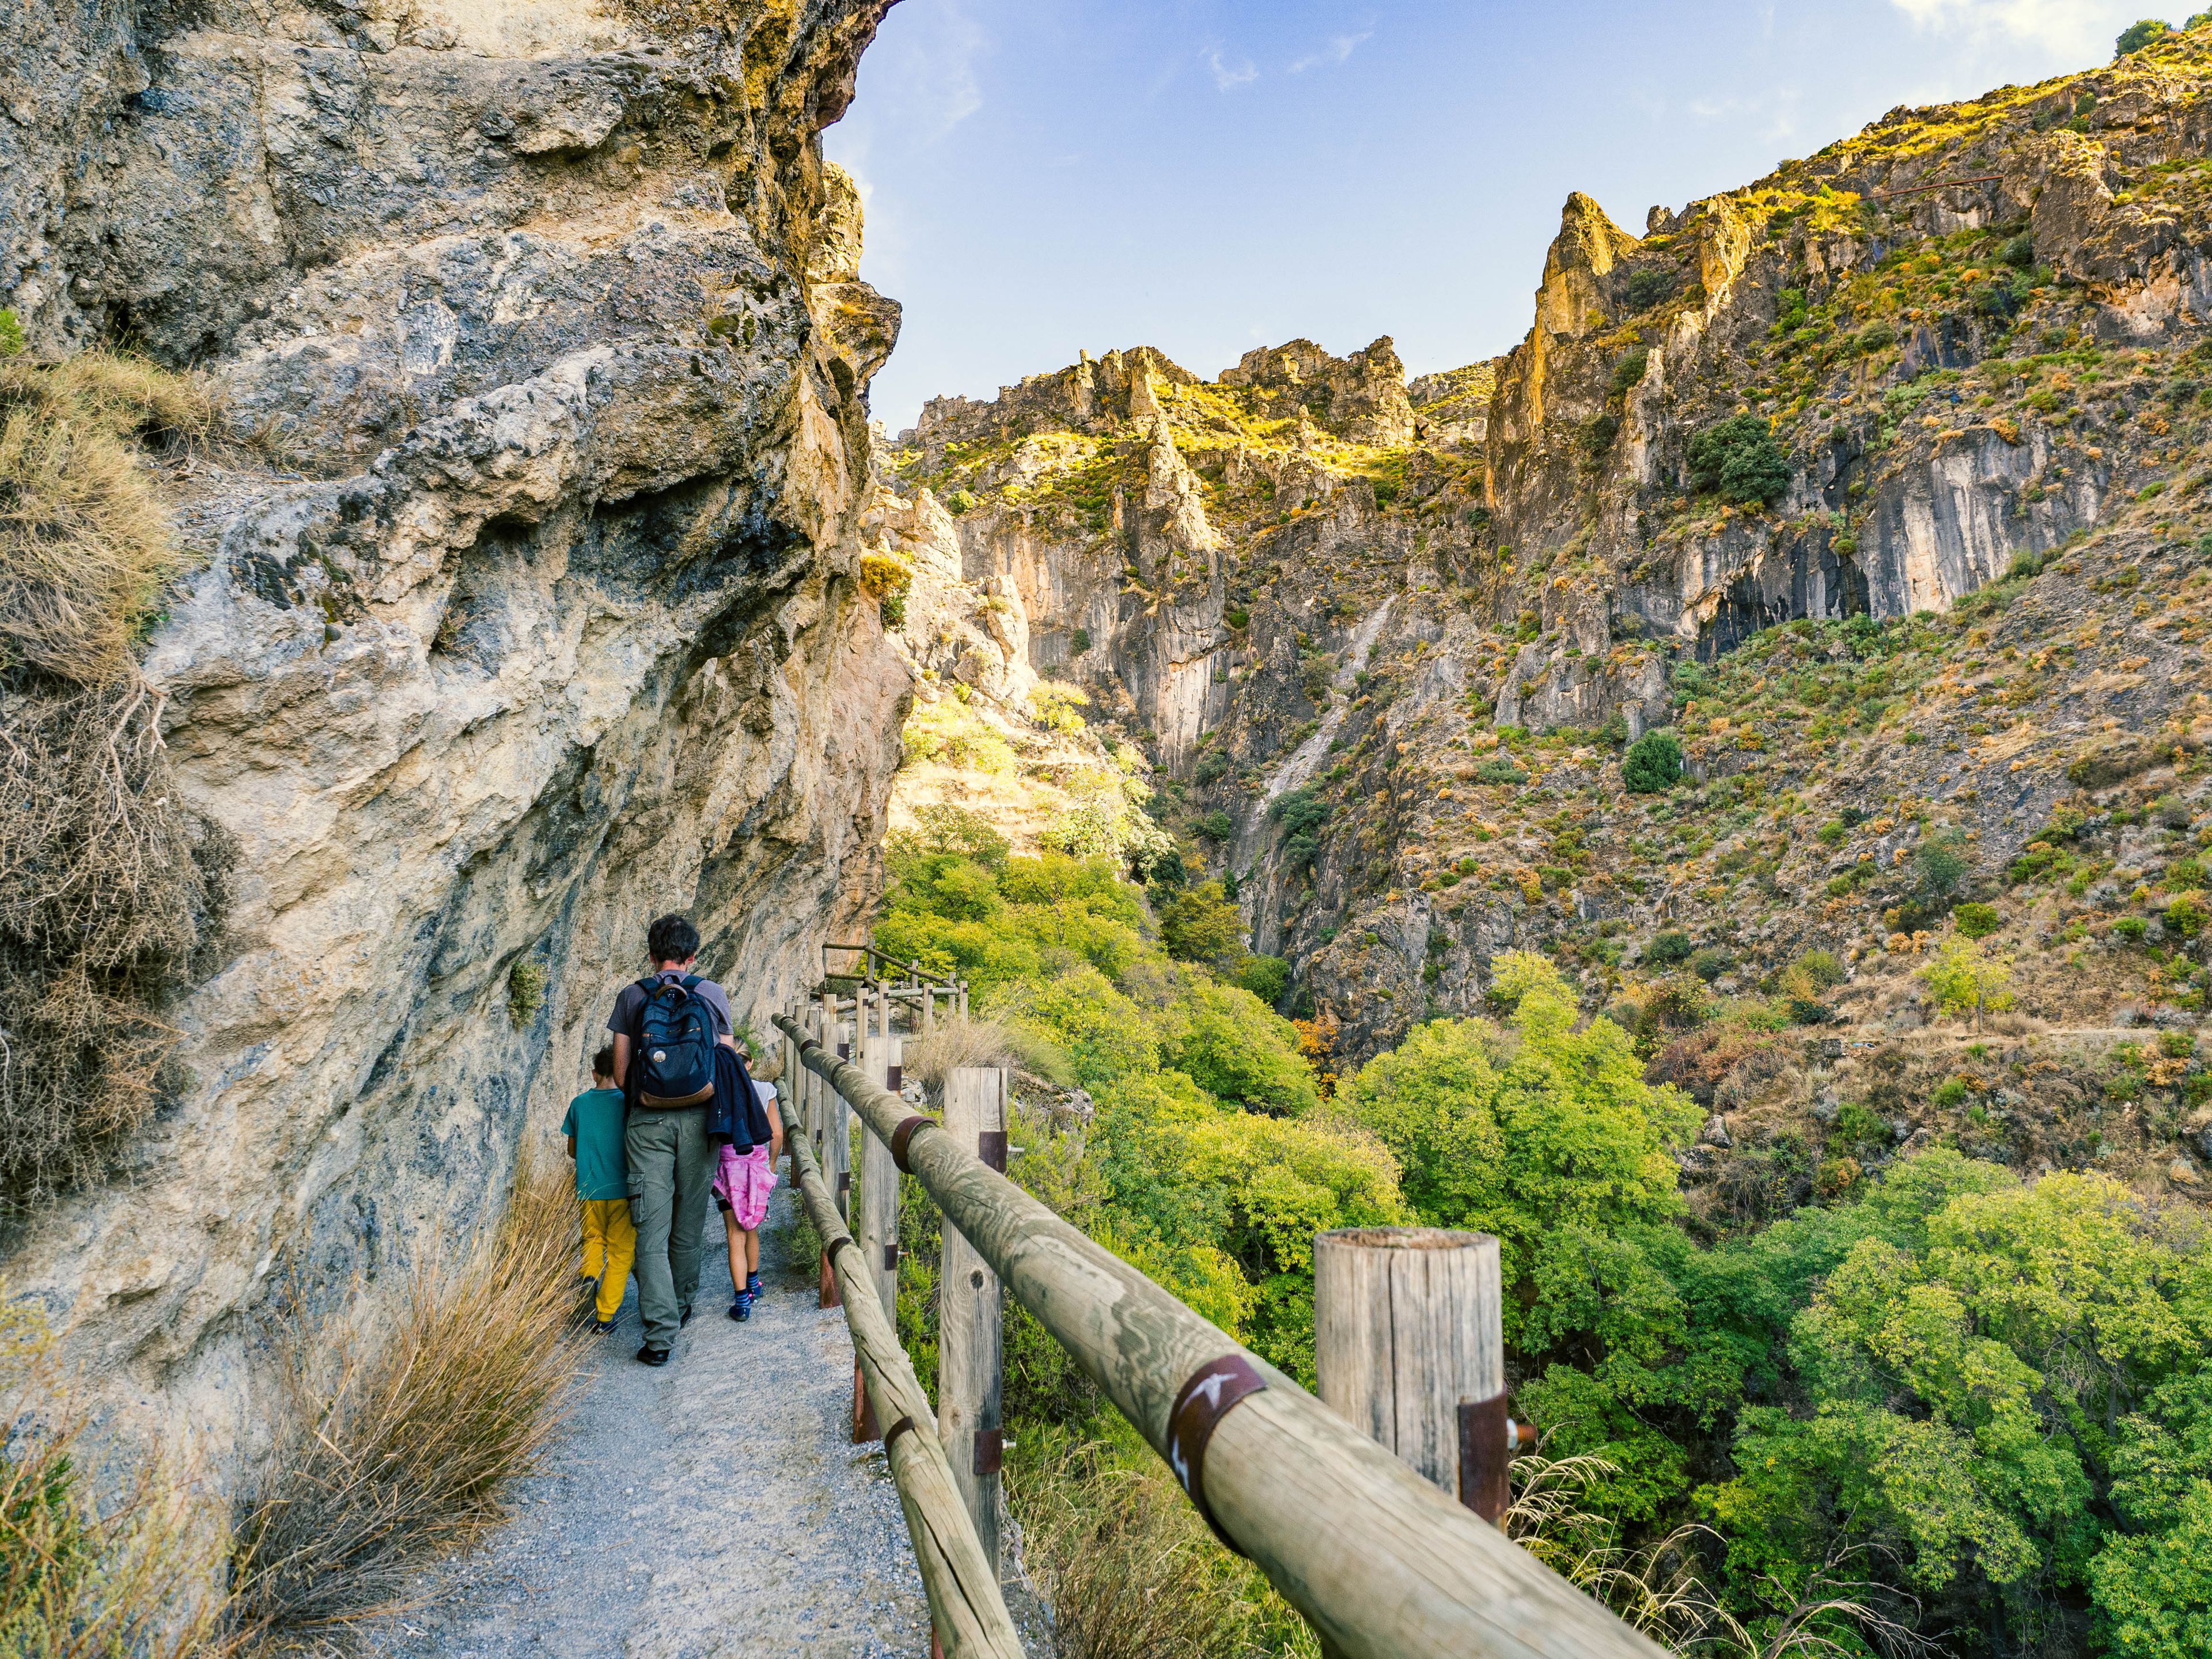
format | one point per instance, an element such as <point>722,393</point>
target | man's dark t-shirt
<point>623,1021</point>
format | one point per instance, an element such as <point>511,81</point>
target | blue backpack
<point>673,1060</point>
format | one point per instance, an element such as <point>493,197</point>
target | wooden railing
<point>921,987</point>
<point>1383,1564</point>
<point>960,1577</point>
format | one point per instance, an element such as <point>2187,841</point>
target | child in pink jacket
<point>742,1183</point>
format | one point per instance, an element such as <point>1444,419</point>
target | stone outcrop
<point>523,604</point>
<point>1361,398</point>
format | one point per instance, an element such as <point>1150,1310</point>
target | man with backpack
<point>666,1028</point>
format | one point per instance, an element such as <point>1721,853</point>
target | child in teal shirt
<point>594,1129</point>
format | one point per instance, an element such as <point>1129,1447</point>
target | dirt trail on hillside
<point>711,1509</point>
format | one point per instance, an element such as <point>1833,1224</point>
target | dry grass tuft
<point>104,875</point>
<point>955,1043</point>
<point>90,1570</point>
<point>1835,1610</point>
<point>398,1450</point>
<point>84,538</point>
<point>1130,1571</point>
<point>103,897</point>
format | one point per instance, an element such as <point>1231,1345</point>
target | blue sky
<point>1046,175</point>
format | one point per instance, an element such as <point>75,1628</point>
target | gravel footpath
<point>713,1507</point>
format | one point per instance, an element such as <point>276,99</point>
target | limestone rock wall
<point>523,604</point>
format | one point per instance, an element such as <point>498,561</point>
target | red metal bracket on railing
<point>1214,1389</point>
<point>902,1136</point>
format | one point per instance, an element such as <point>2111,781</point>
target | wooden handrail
<point>1381,1564</point>
<point>919,973</point>
<point>965,1605</point>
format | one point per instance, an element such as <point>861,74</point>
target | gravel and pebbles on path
<point>713,1508</point>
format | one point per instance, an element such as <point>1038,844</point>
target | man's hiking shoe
<point>753,1285</point>
<point>742,1308</point>
<point>602,1326</point>
<point>652,1356</point>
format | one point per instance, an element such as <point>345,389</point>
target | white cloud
<point>1227,75</point>
<point>1339,48</point>
<point>2075,27</point>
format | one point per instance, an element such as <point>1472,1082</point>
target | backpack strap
<point>646,988</point>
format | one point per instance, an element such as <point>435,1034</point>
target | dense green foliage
<point>1985,1396</point>
<point>1738,459</point>
<point>1653,763</point>
<point>2145,32</point>
<point>1983,1403</point>
<point>1205,1162</point>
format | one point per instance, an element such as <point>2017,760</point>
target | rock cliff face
<point>1953,347</point>
<point>544,621</point>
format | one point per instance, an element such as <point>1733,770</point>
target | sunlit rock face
<point>523,606</point>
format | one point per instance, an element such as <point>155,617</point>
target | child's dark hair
<point>602,1063</point>
<point>671,939</point>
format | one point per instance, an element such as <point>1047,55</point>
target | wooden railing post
<point>832,1139</point>
<point>1409,1345</point>
<point>967,1608</point>
<point>797,1081</point>
<point>970,1375</point>
<point>880,1058</point>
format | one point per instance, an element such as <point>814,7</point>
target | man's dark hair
<point>602,1063</point>
<point>671,939</point>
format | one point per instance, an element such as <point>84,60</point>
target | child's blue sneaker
<point>742,1308</point>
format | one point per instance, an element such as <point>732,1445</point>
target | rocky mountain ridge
<point>1915,420</point>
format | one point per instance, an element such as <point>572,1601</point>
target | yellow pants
<point>610,1247</point>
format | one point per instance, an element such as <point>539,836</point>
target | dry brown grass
<point>104,875</point>
<point>395,1450</point>
<point>91,1568</point>
<point>957,1043</point>
<point>103,897</point>
<point>84,538</point>
<point>1130,1571</point>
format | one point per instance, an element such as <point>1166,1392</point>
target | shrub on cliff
<point>95,1561</point>
<point>2146,32</point>
<point>1965,979</point>
<point>1939,863</point>
<point>1652,764</point>
<point>1265,977</point>
<point>1649,284</point>
<point>1738,459</point>
<point>103,875</point>
<point>1977,921</point>
<point>1301,812</point>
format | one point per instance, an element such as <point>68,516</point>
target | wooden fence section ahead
<point>965,1605</point>
<point>1383,1564</point>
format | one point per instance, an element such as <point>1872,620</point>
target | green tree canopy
<point>1652,764</point>
<point>1738,459</point>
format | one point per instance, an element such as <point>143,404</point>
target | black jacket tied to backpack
<point>672,1042</point>
<point>736,1114</point>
